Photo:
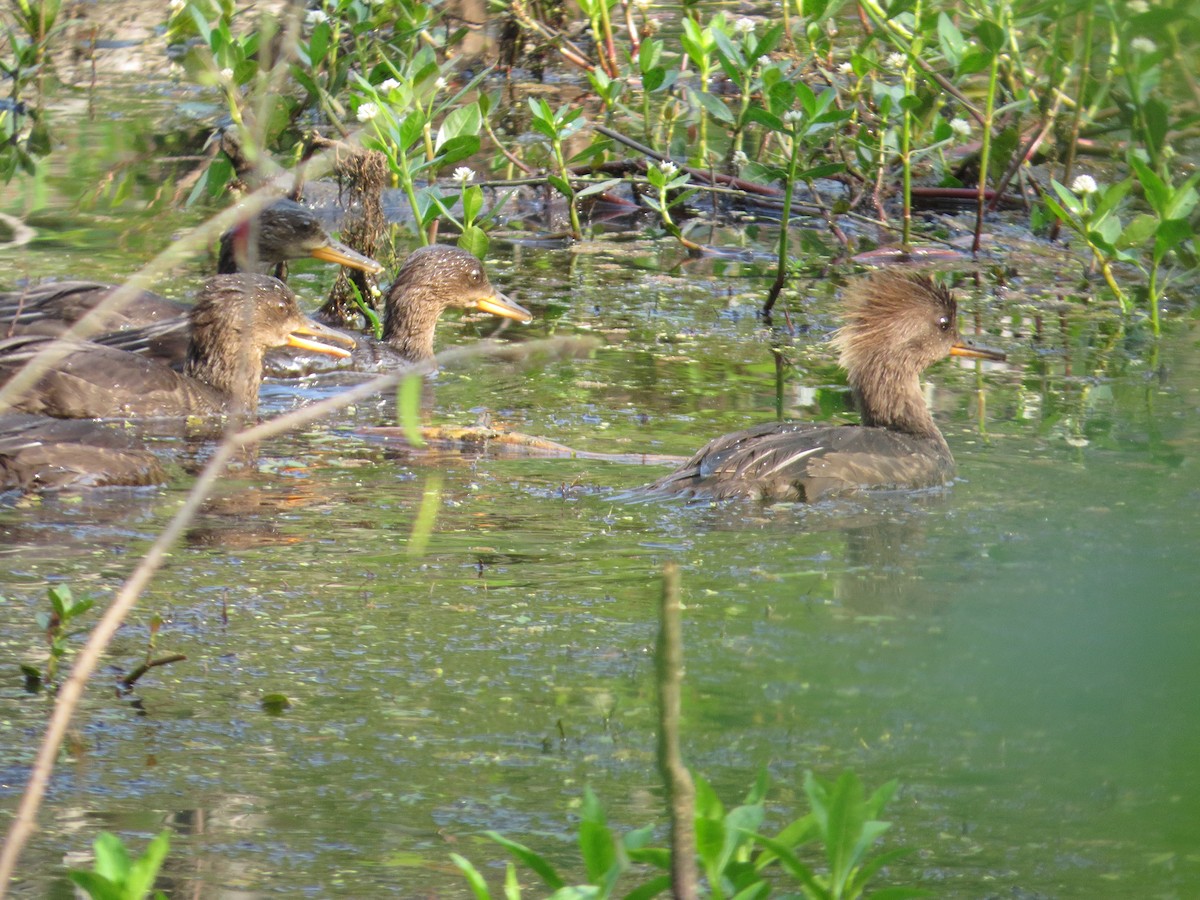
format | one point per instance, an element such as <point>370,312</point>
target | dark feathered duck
<point>235,319</point>
<point>39,453</point>
<point>283,231</point>
<point>896,325</point>
<point>432,280</point>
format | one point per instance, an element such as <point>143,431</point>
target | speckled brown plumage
<point>896,325</point>
<point>432,280</point>
<point>235,319</point>
<point>38,453</point>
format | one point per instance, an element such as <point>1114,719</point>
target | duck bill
<point>337,252</point>
<point>967,350</point>
<point>499,305</point>
<point>299,337</point>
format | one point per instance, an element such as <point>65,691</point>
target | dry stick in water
<point>89,657</point>
<point>681,792</point>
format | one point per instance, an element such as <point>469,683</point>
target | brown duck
<point>39,453</point>
<point>235,319</point>
<point>283,231</point>
<point>432,280</point>
<point>896,325</point>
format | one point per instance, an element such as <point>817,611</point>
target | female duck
<point>897,325</point>
<point>235,319</point>
<point>432,280</point>
<point>282,231</point>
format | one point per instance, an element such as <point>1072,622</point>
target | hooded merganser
<point>896,325</point>
<point>39,453</point>
<point>282,231</point>
<point>432,280</point>
<point>235,319</point>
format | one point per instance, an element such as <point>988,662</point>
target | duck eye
<point>944,323</point>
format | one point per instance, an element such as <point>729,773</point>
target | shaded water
<point>1017,650</point>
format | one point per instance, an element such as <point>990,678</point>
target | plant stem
<point>985,151</point>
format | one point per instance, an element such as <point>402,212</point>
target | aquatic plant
<point>60,623</point>
<point>115,876</point>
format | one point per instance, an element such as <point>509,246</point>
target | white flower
<point>440,84</point>
<point>1084,184</point>
<point>1142,45</point>
<point>177,5</point>
<point>463,175</point>
<point>744,25</point>
<point>227,74</point>
<point>315,17</point>
<point>793,115</point>
<point>388,86</point>
<point>1137,7</point>
<point>740,158</point>
<point>896,60</point>
<point>367,111</point>
<point>846,69</point>
<point>764,61</point>
<point>668,168</point>
<point>960,126</point>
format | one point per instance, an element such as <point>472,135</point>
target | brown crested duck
<point>39,453</point>
<point>234,320</point>
<point>282,231</point>
<point>896,325</point>
<point>432,280</point>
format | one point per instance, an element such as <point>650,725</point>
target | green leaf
<point>710,839</point>
<point>466,120</point>
<point>408,408</point>
<point>529,858</point>
<point>1137,232</point>
<point>792,864</point>
<point>652,888</point>
<point>459,148</point>
<point>1111,197</point>
<point>561,185</point>
<point>991,36</point>
<point>472,202</point>
<point>145,868</point>
<point>1157,192</point>
<point>478,886</point>
<point>1171,234</point>
<point>598,188</point>
<point>96,886</point>
<point>475,241</point>
<point>714,106</point>
<point>112,859</point>
<point>950,40</point>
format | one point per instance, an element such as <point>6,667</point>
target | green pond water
<point>1018,650</point>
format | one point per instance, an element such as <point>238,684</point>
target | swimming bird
<point>234,320</point>
<point>896,325</point>
<point>282,231</point>
<point>39,453</point>
<point>432,280</point>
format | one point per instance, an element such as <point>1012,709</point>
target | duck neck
<point>408,325</point>
<point>891,398</point>
<point>235,373</point>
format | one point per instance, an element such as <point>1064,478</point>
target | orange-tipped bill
<point>337,252</point>
<point>967,350</point>
<point>499,305</point>
<point>316,329</point>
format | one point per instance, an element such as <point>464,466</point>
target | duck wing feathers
<point>786,461</point>
<point>92,381</point>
